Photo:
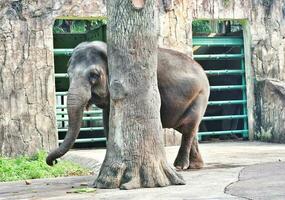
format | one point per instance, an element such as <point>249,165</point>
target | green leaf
<point>78,26</point>
<point>83,190</point>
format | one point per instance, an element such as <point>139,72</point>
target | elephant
<point>182,84</point>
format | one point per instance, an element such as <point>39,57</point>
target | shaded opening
<point>219,48</point>
<point>67,34</point>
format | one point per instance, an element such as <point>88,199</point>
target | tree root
<point>155,174</point>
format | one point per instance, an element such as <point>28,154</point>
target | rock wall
<point>27,91</point>
<point>268,54</point>
<point>27,96</point>
<point>264,22</point>
<point>176,25</point>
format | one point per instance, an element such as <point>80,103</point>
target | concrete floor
<point>233,170</point>
<point>217,155</point>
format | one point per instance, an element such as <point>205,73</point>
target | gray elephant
<point>183,87</point>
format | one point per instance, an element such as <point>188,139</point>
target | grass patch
<point>24,167</point>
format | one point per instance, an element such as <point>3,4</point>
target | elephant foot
<point>197,164</point>
<point>196,161</point>
<point>181,163</point>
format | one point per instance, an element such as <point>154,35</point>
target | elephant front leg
<point>106,113</point>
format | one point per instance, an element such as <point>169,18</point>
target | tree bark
<point>135,155</point>
<point>27,112</point>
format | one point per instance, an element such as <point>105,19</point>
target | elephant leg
<point>182,160</point>
<point>189,125</point>
<point>106,113</point>
<point>196,161</point>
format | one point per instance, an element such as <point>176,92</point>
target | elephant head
<point>88,85</point>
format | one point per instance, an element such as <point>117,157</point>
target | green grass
<point>23,168</point>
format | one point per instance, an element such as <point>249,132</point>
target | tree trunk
<point>27,112</point>
<point>135,155</point>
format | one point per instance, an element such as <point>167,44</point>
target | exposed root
<point>156,174</point>
<point>110,176</point>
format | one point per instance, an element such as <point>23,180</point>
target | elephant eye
<point>93,77</point>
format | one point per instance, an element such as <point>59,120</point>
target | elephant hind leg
<point>182,161</point>
<point>189,155</point>
<point>196,161</point>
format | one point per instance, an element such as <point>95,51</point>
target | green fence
<point>223,60</point>
<point>216,66</point>
<point>92,125</point>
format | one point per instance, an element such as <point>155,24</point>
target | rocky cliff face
<point>27,92</point>
<point>264,33</point>
<point>268,54</point>
<point>27,109</point>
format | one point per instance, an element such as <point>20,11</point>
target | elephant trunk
<point>75,106</point>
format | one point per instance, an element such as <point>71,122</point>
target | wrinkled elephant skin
<point>183,87</point>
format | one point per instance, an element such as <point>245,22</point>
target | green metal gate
<point>223,61</point>
<point>230,50</point>
<point>92,125</point>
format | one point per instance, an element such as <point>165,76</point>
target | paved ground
<point>234,170</point>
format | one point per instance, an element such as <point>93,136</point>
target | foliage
<point>23,168</point>
<point>201,26</point>
<point>226,3</point>
<point>77,26</point>
<point>264,135</point>
<point>216,26</point>
<point>83,190</point>
<point>57,26</point>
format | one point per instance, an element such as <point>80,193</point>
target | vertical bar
<point>199,137</point>
<point>245,134</point>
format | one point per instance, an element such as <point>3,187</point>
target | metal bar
<point>217,41</point>
<point>217,56</point>
<point>83,118</point>
<point>61,75</point>
<point>61,107</point>
<point>61,93</point>
<point>223,132</point>
<point>65,107</point>
<point>87,140</point>
<point>83,129</point>
<point>226,117</point>
<point>224,72</point>
<point>85,112</point>
<point>228,102</point>
<point>82,18</point>
<point>62,52</point>
<point>220,87</point>
<point>227,87</point>
<point>245,135</point>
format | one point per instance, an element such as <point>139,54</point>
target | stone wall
<point>27,91</point>
<point>265,37</point>
<point>27,96</point>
